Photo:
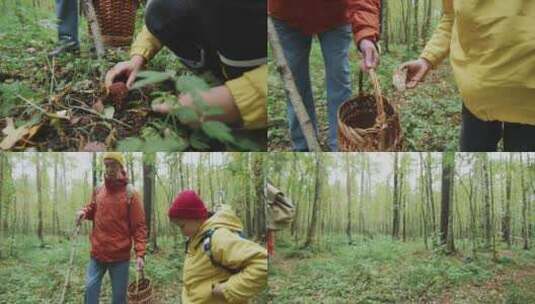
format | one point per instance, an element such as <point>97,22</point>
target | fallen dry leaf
<point>13,135</point>
<point>399,79</point>
<point>98,106</point>
<point>75,119</point>
<point>62,114</point>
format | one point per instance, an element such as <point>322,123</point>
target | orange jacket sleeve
<point>137,224</point>
<point>364,16</point>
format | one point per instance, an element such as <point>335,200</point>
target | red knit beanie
<point>188,205</point>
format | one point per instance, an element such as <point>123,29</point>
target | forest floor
<point>430,114</point>
<point>60,104</point>
<point>36,275</point>
<point>382,271</point>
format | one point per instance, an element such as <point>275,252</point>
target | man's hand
<point>126,69</point>
<point>79,216</point>
<point>416,71</point>
<point>140,263</point>
<point>218,290</point>
<point>370,55</point>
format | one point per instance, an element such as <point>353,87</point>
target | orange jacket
<point>316,16</point>
<point>113,228</point>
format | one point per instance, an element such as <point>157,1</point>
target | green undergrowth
<point>383,271</point>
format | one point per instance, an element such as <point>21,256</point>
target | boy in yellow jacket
<point>220,265</point>
<point>491,47</point>
<point>224,37</point>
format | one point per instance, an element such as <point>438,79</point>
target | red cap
<point>188,205</point>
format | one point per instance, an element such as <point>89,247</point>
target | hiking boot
<point>64,47</point>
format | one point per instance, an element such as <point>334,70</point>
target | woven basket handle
<point>378,98</point>
<point>137,279</point>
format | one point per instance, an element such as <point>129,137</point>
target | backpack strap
<point>206,242</point>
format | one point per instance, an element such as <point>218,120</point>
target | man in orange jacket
<point>336,23</point>
<point>118,218</point>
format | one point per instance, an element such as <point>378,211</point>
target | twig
<point>295,98</point>
<point>102,116</point>
<point>51,115</point>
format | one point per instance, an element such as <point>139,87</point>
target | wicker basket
<point>116,19</point>
<point>364,124</point>
<point>140,291</point>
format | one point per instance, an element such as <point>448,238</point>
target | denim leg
<point>335,46</point>
<point>119,281</point>
<point>296,47</point>
<point>67,14</point>
<point>93,281</point>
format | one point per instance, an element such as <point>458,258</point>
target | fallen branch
<point>89,12</point>
<point>289,83</point>
<point>71,260</point>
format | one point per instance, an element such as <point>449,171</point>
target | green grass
<point>36,275</point>
<point>430,115</point>
<point>382,271</point>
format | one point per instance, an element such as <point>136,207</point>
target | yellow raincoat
<point>249,91</point>
<point>491,46</point>
<point>230,250</point>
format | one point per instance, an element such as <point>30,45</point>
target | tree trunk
<point>364,169</point>
<point>525,225</point>
<point>148,193</point>
<point>39,201</point>
<point>94,170</point>
<point>348,190</point>
<point>423,200</point>
<point>55,219</point>
<point>506,221</point>
<point>486,179</point>
<point>395,203</point>
<point>315,206</point>
<point>260,202</point>
<point>448,168</point>
<point>386,24</point>
<point>430,195</point>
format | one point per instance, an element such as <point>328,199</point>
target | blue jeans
<point>119,280</point>
<point>335,45</point>
<point>67,14</point>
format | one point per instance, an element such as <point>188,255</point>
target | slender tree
<point>348,190</point>
<point>39,200</point>
<point>448,171</point>
<point>315,207</point>
<point>395,202</point>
